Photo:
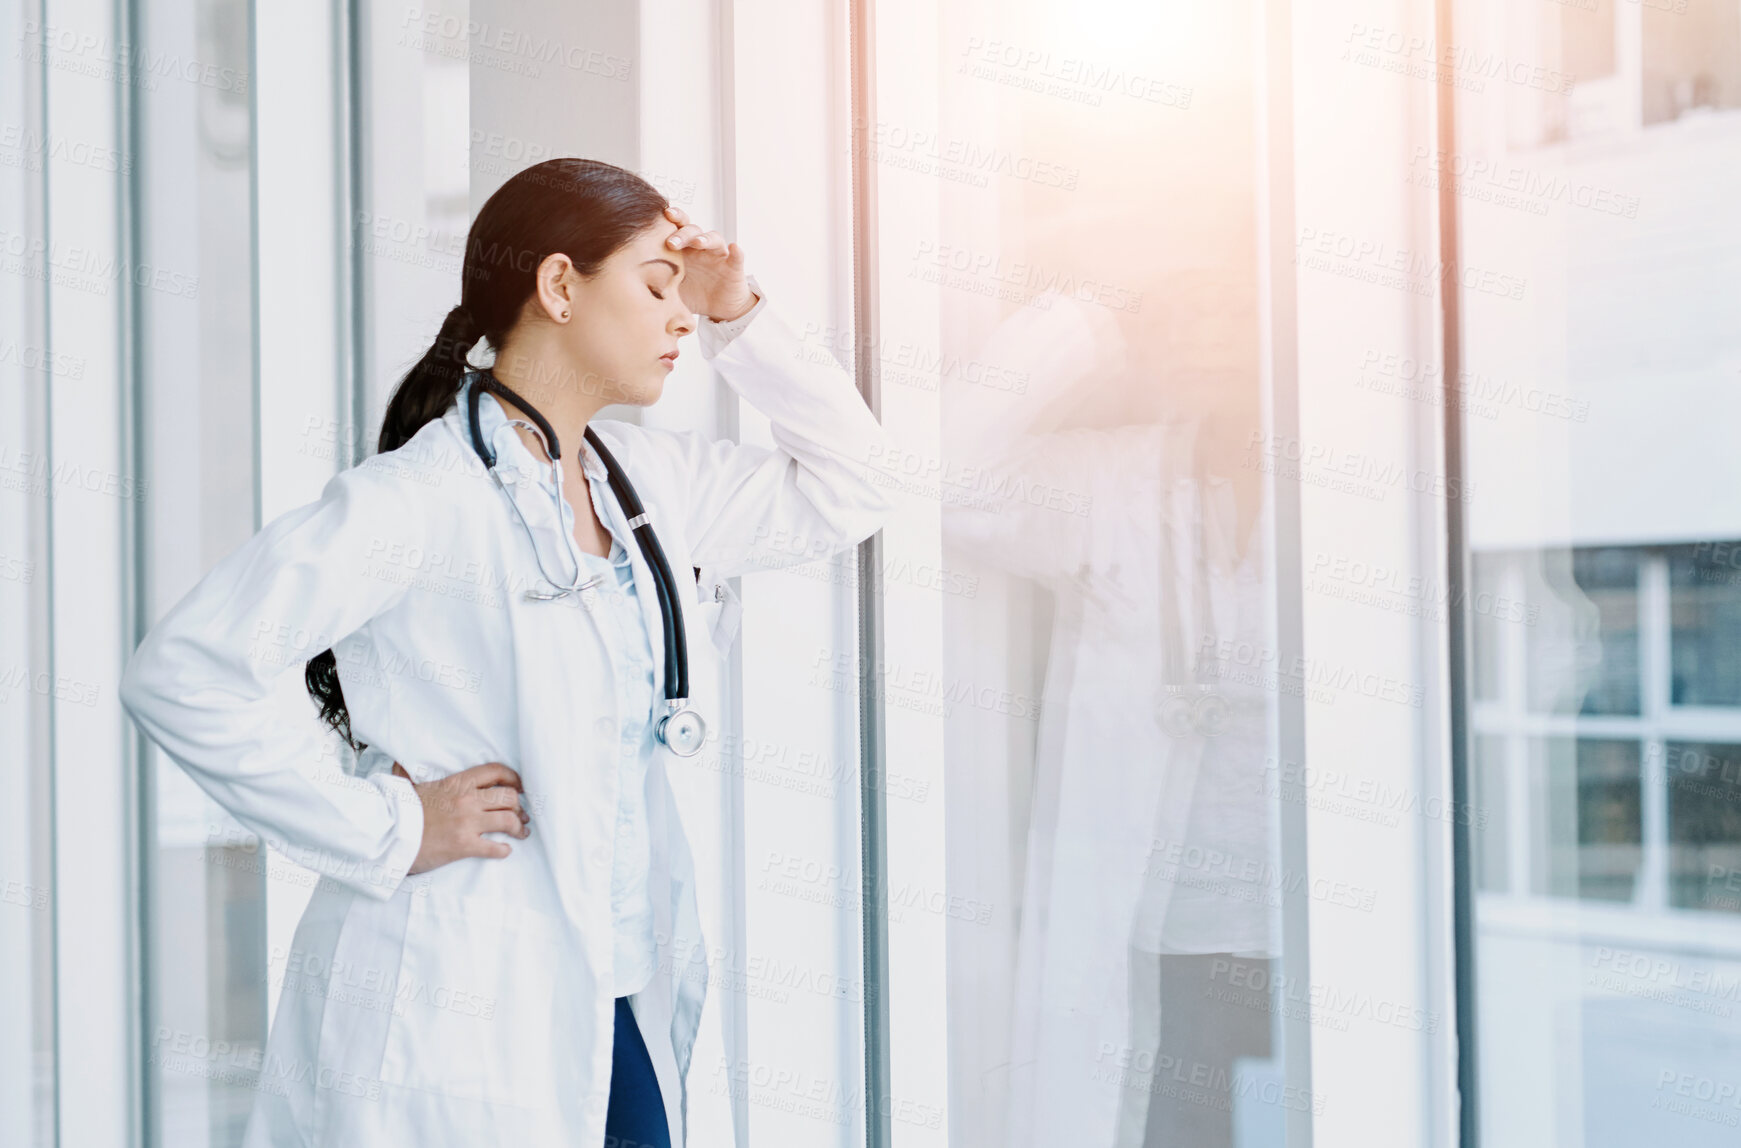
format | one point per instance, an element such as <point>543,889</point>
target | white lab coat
<point>472,1004</point>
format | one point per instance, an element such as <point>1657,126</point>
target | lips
<point>670,357</point>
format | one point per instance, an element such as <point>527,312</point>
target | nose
<point>682,322</point>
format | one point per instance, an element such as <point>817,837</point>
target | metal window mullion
<point>139,763</point>
<point>1513,675</point>
<point>1279,321</point>
<point>350,169</point>
<point>1457,620</point>
<point>873,820</point>
<point>1654,697</point>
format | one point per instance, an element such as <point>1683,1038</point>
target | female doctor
<point>508,952</point>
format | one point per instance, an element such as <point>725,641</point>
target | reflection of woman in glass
<point>447,986</point>
<point>1149,873</point>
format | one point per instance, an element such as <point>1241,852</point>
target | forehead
<point>649,243</point>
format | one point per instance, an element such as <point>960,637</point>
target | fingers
<point>492,773</point>
<point>500,797</point>
<point>676,214</point>
<point>696,239</point>
<point>504,821</point>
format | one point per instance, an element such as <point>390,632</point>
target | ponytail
<point>429,387</point>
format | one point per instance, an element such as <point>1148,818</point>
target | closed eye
<point>656,294</point>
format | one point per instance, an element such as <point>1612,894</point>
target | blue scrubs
<point>636,1116</point>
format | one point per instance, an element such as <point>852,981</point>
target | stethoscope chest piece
<point>682,731</point>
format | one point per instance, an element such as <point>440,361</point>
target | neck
<point>556,386</point>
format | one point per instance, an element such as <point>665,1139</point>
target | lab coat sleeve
<point>815,492</point>
<point>200,683</point>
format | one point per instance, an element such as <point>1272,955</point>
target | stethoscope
<point>681,729</point>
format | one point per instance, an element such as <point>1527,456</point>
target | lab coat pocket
<point>716,613</point>
<point>473,1006</point>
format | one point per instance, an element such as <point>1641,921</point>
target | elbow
<point>144,685</point>
<point>134,689</point>
<point>878,480</point>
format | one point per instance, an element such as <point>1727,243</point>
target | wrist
<point>740,310</point>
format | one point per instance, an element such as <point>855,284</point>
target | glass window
<point>1705,635</point>
<point>1486,572</point>
<point>1704,825</point>
<point>207,893</point>
<point>1586,30</point>
<point>1591,826</point>
<point>1692,57</point>
<point>1111,682</point>
<point>1583,657</point>
<point>1488,824</point>
<point>1604,973</point>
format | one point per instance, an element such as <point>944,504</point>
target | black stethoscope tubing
<point>676,654</point>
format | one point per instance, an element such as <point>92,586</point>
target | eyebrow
<point>666,262</point>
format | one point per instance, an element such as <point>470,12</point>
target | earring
<point>565,314</point>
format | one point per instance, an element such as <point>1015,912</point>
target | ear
<point>556,281</point>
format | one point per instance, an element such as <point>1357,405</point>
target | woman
<point>507,952</point>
